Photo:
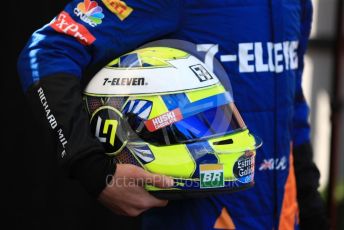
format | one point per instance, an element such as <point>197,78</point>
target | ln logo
<point>211,176</point>
<point>105,124</point>
<point>110,127</point>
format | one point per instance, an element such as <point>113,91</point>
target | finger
<point>160,181</point>
<point>154,204</point>
<point>144,177</point>
<point>148,201</point>
<point>161,203</point>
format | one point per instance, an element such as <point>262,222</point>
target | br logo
<point>105,125</point>
<point>211,176</point>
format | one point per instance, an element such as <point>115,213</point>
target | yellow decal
<point>114,125</point>
<point>119,8</point>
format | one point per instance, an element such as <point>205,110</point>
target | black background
<point>35,194</point>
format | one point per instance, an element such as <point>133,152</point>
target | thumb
<point>157,180</point>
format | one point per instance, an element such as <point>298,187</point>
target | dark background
<point>36,195</point>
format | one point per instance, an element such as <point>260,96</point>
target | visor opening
<point>224,142</point>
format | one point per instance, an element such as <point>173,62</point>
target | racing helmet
<point>162,109</point>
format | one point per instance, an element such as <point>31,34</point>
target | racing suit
<point>261,44</point>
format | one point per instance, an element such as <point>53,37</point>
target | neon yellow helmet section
<point>157,57</point>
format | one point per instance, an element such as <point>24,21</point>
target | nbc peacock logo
<point>89,12</point>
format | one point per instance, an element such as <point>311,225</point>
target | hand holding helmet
<point>125,194</point>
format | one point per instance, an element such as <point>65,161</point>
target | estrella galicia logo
<point>201,73</point>
<point>105,125</point>
<point>243,168</point>
<point>89,12</point>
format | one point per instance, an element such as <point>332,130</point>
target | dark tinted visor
<point>189,124</point>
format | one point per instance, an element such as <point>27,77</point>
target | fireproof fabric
<point>261,44</point>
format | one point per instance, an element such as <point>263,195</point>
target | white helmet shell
<point>145,80</point>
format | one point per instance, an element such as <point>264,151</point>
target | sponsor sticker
<point>201,73</point>
<point>65,24</point>
<point>274,164</point>
<point>106,125</point>
<point>164,120</point>
<point>89,12</point>
<point>243,168</point>
<point>127,81</point>
<point>119,8</point>
<point>211,176</point>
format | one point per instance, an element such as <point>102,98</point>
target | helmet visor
<point>204,119</point>
<point>210,123</point>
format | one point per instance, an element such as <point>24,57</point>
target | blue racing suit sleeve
<point>84,35</point>
<point>311,205</point>
<point>90,32</point>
